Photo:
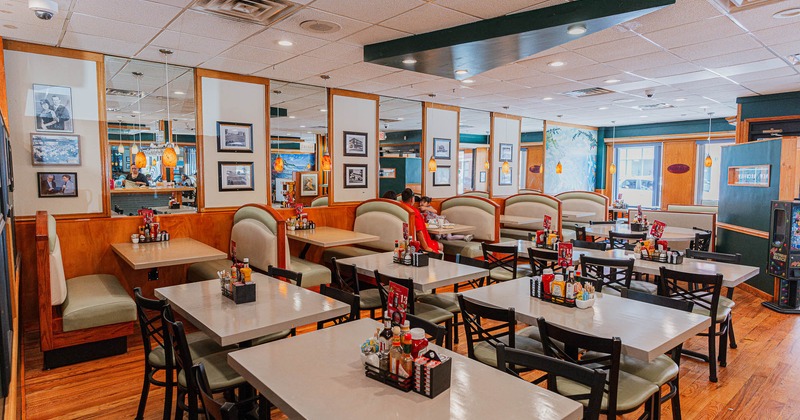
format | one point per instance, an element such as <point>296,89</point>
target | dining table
<point>671,233</point>
<point>451,228</point>
<point>320,375</point>
<point>646,330</point>
<point>510,220</point>
<point>176,251</point>
<point>326,237</point>
<point>575,214</point>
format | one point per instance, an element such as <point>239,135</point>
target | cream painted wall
<point>359,115</point>
<point>22,71</point>
<point>506,130</point>
<point>480,157</point>
<point>441,123</point>
<point>240,102</point>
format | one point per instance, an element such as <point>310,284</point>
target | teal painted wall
<point>473,139</point>
<point>781,104</point>
<point>411,136</point>
<point>532,137</point>
<point>408,171</point>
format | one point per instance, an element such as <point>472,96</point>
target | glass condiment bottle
<point>407,365</point>
<point>395,356</point>
<point>385,339</point>
<point>246,271</point>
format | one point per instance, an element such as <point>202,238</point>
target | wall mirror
<point>473,150</point>
<point>400,139</point>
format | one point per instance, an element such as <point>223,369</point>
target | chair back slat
<point>472,262</point>
<point>600,246</point>
<point>150,324</point>
<point>504,324</point>
<point>345,276</point>
<point>619,240</point>
<point>701,289</point>
<point>501,256</point>
<point>383,281</point>
<point>435,331</point>
<point>541,260</point>
<point>701,242</point>
<point>580,233</point>
<point>608,272</point>
<point>345,297</point>
<point>714,256</point>
<point>286,275</point>
<point>213,409</point>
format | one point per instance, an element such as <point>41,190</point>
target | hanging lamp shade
<point>134,149</point>
<point>559,168</point>
<point>140,160</point>
<point>178,150</point>
<point>278,165</point>
<point>612,169</point>
<point>432,165</point>
<point>486,165</point>
<point>506,168</point>
<point>325,163</point>
<point>708,161</point>
<point>121,149</point>
<point>169,158</point>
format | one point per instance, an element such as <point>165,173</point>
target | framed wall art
<point>441,178</point>
<point>355,144</point>
<point>234,137</point>
<point>236,176</point>
<point>355,176</point>
<point>505,179</point>
<point>309,184</point>
<point>57,184</point>
<point>506,152</point>
<point>482,176</point>
<point>53,108</point>
<point>55,149</point>
<point>441,148</point>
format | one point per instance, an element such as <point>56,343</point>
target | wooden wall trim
<point>718,135</point>
<point>354,94</point>
<point>102,122</point>
<point>490,157</point>
<point>566,124</point>
<point>743,230</point>
<point>443,107</point>
<point>507,116</point>
<point>55,51</point>
<point>741,136</point>
<point>423,148</point>
<point>756,292</point>
<point>234,77</point>
<point>3,90</point>
<point>787,188</point>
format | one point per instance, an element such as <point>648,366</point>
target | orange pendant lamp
<point>709,162</point>
<point>612,169</point>
<point>486,165</point>
<point>506,168</point>
<point>432,165</point>
<point>169,158</point>
<point>278,165</point>
<point>140,160</point>
<point>325,162</point>
<point>559,168</point>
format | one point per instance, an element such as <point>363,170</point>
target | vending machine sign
<point>397,306</point>
<point>657,230</point>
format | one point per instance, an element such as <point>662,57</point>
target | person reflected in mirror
<point>47,118</point>
<point>137,177</point>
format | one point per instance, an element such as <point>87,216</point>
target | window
<point>638,177</point>
<point>466,170</point>
<point>523,165</point>
<point>707,191</point>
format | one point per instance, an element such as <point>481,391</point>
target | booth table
<point>573,214</point>
<point>326,237</point>
<point>279,306</point>
<point>176,251</point>
<point>671,233</point>
<point>518,220</point>
<point>647,331</point>
<point>454,228</point>
<point>319,375</point>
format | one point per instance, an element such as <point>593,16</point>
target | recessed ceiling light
<point>308,132</point>
<point>400,118</point>
<point>603,108</point>
<point>680,99</point>
<point>135,112</point>
<point>177,92</point>
<point>285,43</point>
<point>292,117</point>
<point>547,99</point>
<point>577,29</point>
<point>555,63</point>
<point>794,59</point>
<point>409,61</point>
<point>302,126</point>
<point>323,110</point>
<point>462,71</point>
<point>467,81</point>
<point>642,116</point>
<point>611,81</point>
<point>703,107</point>
<point>788,13</point>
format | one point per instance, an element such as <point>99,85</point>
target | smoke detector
<point>320,26</point>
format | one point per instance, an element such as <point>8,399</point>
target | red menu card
<point>398,303</point>
<point>657,230</point>
<point>564,254</point>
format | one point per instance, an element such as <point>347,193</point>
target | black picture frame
<point>505,179</point>
<point>227,142</point>
<point>442,173</point>
<point>349,170</point>
<point>354,143</point>
<point>442,152</point>
<point>57,118</point>
<point>506,149</point>
<point>236,181</point>
<point>482,176</point>
<point>58,190</point>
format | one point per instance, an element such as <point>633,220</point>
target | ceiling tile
<point>510,72</point>
<point>784,84</point>
<point>138,12</point>
<point>539,80</point>
<point>373,35</point>
<point>232,66</point>
<point>211,26</point>
<point>348,26</point>
<point>758,18</point>
<point>178,57</point>
<point>311,65</point>
<point>615,50</point>
<point>17,11</point>
<point>613,33</point>
<point>404,77</point>
<point>100,44</point>
<point>29,33</point>
<point>368,86</point>
<point>570,60</point>
<point>682,12</point>
<point>719,27</point>
<point>269,39</point>
<point>284,72</point>
<point>339,53</point>
<point>192,43</point>
<point>716,47</point>
<point>362,71</point>
<point>428,18</point>
<point>589,72</point>
<point>664,71</point>
<point>90,25</point>
<point>778,34</point>
<point>736,58</point>
<point>786,49</point>
<point>256,54</point>
<point>764,65</point>
<point>646,61</point>
<point>489,9</point>
<point>783,71</point>
<point>372,11</point>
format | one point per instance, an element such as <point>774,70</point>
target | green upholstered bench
<point>313,274</point>
<point>90,316</point>
<point>515,233</point>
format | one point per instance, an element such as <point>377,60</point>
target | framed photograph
<point>58,184</point>
<point>482,176</point>
<point>309,184</point>
<point>53,108</point>
<point>234,137</point>
<point>236,176</point>
<point>505,179</point>
<point>441,148</point>
<point>388,173</point>
<point>55,149</point>
<point>355,144</point>
<point>506,152</point>
<point>441,178</point>
<point>355,176</point>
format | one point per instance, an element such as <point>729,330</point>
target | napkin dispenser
<point>244,292</point>
<point>419,259</point>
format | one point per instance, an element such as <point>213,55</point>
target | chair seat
<point>446,301</point>
<point>514,234</point>
<point>96,300</point>
<point>220,374</point>
<point>467,249</point>
<point>659,371</point>
<point>728,303</point>
<point>341,252</point>
<point>431,313</point>
<point>199,345</point>
<point>487,353</point>
<point>313,274</point>
<point>632,391</point>
<point>272,337</point>
<point>206,270</point>
<point>722,312</point>
<point>370,299</point>
<point>644,287</point>
<point>524,269</point>
<point>501,274</point>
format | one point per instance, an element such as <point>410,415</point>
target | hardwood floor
<point>761,380</point>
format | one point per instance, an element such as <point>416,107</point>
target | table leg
<point>247,392</point>
<point>731,336</point>
<point>304,251</point>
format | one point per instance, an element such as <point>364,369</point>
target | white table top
<point>732,274</point>
<point>176,251</point>
<point>519,220</point>
<point>573,214</point>
<point>646,330</point>
<point>436,274</point>
<point>319,375</point>
<point>326,236</point>
<point>671,233</point>
<point>278,306</point>
<point>454,228</point>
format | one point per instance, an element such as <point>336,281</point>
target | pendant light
<point>278,165</point>
<point>708,162</point>
<point>120,148</point>
<point>506,168</point>
<point>486,164</point>
<point>559,168</point>
<point>141,159</point>
<point>168,158</point>
<point>432,165</point>
<point>612,169</point>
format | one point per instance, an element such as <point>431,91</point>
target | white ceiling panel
<point>783,71</point>
<point>773,63</point>
<point>736,58</point>
<point>255,54</point>
<point>283,72</point>
<point>510,72</point>
<point>269,39</point>
<point>100,44</point>
<point>779,34</point>
<point>427,18</point>
<point>232,66</point>
<point>489,9</point>
<point>91,25</point>
<point>192,43</point>
<point>570,59</point>
<point>132,11</point>
<point>664,71</point>
<point>645,61</point>
<point>210,26</point>
<point>368,86</point>
<point>178,57</point>
<point>311,64</point>
<point>695,32</point>
<point>348,26</point>
<point>682,12</point>
<point>373,35</point>
<point>588,72</point>
<point>339,53</point>
<point>539,80</point>
<point>30,33</point>
<point>758,18</point>
<point>372,11</point>
<point>362,71</point>
<point>786,49</point>
<point>613,33</point>
<point>716,47</point>
<point>404,78</point>
<point>619,49</point>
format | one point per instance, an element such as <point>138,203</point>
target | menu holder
<point>670,257</point>
<point>388,378</point>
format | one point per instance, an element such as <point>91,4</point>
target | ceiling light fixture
<point>323,110</point>
<point>140,160</point>
<point>285,43</point>
<point>708,161</point>
<point>400,118</point>
<point>462,71</point>
<point>556,63</point>
<point>468,81</point>
<point>409,61</point>
<point>291,117</point>
<point>611,81</point>
<point>177,92</point>
<point>612,169</point>
<point>642,116</point>
<point>576,29</point>
<point>603,108</point>
<point>680,99</point>
<point>547,98</point>
<point>794,59</point>
<point>788,13</point>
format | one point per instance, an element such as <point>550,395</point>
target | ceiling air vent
<point>649,107</point>
<point>320,26</point>
<point>582,93</point>
<point>263,12</point>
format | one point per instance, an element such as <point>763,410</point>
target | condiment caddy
<point>237,284</point>
<point>406,253</point>
<point>569,292</point>
<point>547,239</point>
<point>150,229</point>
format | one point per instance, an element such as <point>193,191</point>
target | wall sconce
<point>506,168</point>
<point>486,165</point>
<point>559,168</point>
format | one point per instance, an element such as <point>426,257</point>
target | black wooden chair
<point>502,261</point>
<point>619,240</point>
<point>150,313</point>
<point>602,222</point>
<point>665,369</point>
<point>345,277</point>
<point>704,290</point>
<point>612,275</point>
<point>600,246</point>
<point>624,392</point>
<point>423,310</point>
<point>594,380</point>
<point>435,331</point>
<point>482,339</point>
<point>702,240</point>
<point>344,297</point>
<point>287,275</point>
<point>726,300</point>
<point>541,260</point>
<point>580,233</point>
<point>460,259</point>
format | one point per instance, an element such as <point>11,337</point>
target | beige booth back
<point>384,219</point>
<point>58,281</point>
<point>534,205</point>
<point>481,194</point>
<point>255,232</point>
<point>585,201</point>
<point>693,209</point>
<point>707,221</point>
<point>473,211</point>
